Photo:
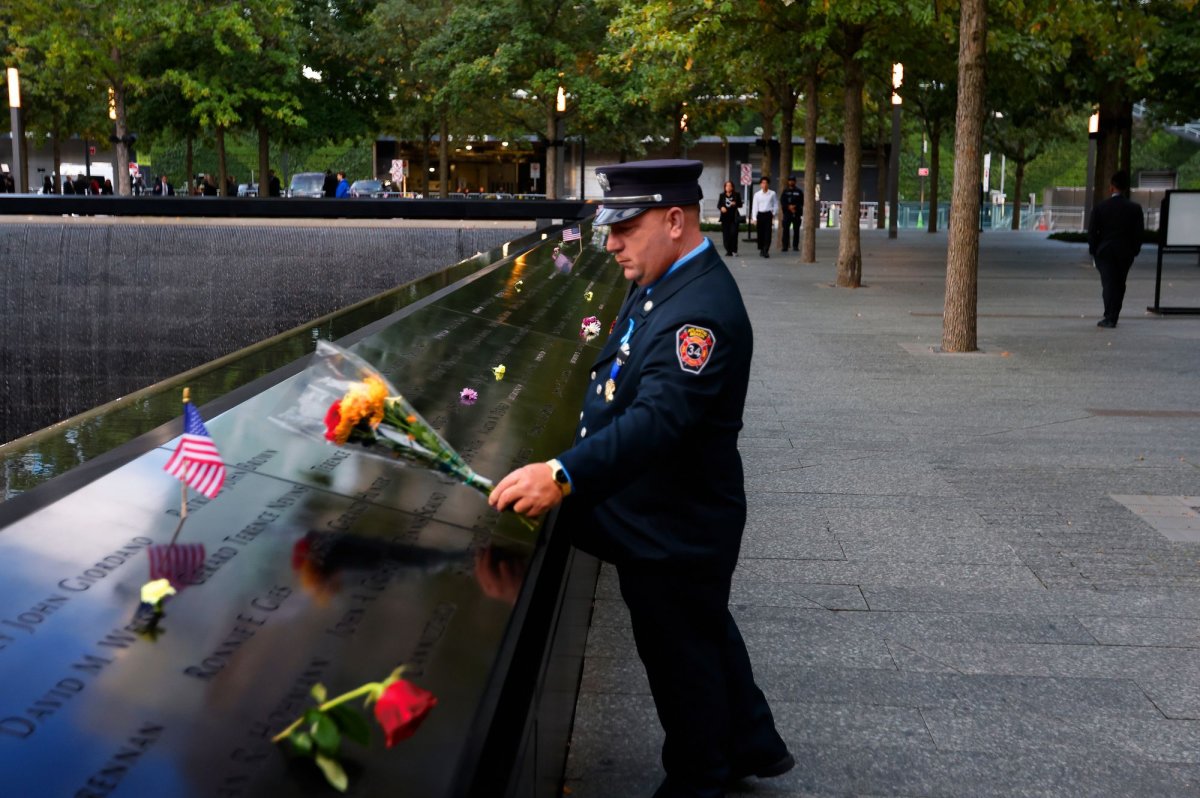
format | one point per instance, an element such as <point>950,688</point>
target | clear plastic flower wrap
<point>342,400</point>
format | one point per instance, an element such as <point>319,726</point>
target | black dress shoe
<point>1106,323</point>
<point>768,771</point>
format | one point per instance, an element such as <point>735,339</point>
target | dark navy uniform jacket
<point>656,472</point>
<point>792,196</point>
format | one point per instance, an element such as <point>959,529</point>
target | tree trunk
<point>190,165</point>
<point>122,185</point>
<point>1126,136</point>
<point>56,145</point>
<point>222,171</point>
<point>1108,141</point>
<point>675,147</point>
<point>553,145</point>
<point>962,255</point>
<point>786,127</point>
<point>935,162</point>
<point>849,264</point>
<point>426,140</point>
<point>1016,222</point>
<point>881,185</point>
<point>444,155</point>
<point>264,159</point>
<point>812,212</point>
<point>768,135</point>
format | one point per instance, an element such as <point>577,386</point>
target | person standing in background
<point>763,209</point>
<point>792,201</point>
<point>1114,240</point>
<point>343,186</point>
<point>729,205</point>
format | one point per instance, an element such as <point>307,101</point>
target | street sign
<point>923,171</point>
<point>399,170</point>
<point>747,174</point>
<point>535,170</point>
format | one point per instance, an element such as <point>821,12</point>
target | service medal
<point>610,390</point>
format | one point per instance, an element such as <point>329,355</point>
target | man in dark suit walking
<point>655,479</point>
<point>1114,240</point>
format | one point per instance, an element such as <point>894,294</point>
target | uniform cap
<point>634,187</point>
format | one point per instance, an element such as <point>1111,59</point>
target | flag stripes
<point>196,460</point>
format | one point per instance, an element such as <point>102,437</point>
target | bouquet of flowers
<point>344,401</point>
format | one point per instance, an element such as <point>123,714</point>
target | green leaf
<point>318,692</point>
<point>326,735</point>
<point>352,723</point>
<point>334,774</point>
<point>302,741</point>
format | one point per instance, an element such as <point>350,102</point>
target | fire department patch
<point>694,346</point>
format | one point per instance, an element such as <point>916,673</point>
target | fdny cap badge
<point>694,346</point>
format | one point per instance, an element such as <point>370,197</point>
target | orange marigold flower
<point>363,402</point>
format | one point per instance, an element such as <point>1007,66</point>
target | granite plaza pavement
<point>963,575</point>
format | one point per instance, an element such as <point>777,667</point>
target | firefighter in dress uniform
<point>654,483</point>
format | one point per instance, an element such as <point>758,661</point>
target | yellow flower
<point>154,592</point>
<point>588,296</point>
<point>364,400</point>
<point>499,371</point>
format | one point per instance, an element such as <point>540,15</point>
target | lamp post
<point>1090,180</point>
<point>18,133</point>
<point>894,161</point>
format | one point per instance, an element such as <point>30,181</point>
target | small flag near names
<point>571,234</point>
<point>196,461</point>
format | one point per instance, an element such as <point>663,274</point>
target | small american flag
<point>196,460</point>
<point>571,234</point>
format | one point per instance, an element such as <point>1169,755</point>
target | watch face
<point>560,476</point>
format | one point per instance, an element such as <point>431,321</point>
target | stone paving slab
<point>941,589</point>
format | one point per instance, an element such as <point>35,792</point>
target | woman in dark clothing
<point>728,203</point>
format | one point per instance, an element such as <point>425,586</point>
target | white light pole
<point>18,133</point>
<point>894,164</point>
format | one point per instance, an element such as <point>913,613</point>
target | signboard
<point>399,170</point>
<point>747,174</point>
<point>923,171</point>
<point>535,170</point>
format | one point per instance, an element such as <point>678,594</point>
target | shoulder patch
<point>694,346</point>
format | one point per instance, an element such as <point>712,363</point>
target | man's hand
<point>530,490</point>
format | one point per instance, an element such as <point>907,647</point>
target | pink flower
<point>468,396</point>
<point>401,709</point>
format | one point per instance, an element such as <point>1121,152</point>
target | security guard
<point>792,201</point>
<point>655,480</point>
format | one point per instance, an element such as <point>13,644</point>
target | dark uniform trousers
<point>660,493</point>
<point>1113,274</point>
<point>716,719</point>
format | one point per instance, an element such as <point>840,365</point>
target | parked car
<point>307,184</point>
<point>247,190</point>
<point>367,188</point>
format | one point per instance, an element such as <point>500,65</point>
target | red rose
<point>332,419</point>
<point>401,709</point>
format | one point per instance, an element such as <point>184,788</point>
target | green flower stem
<point>328,705</point>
